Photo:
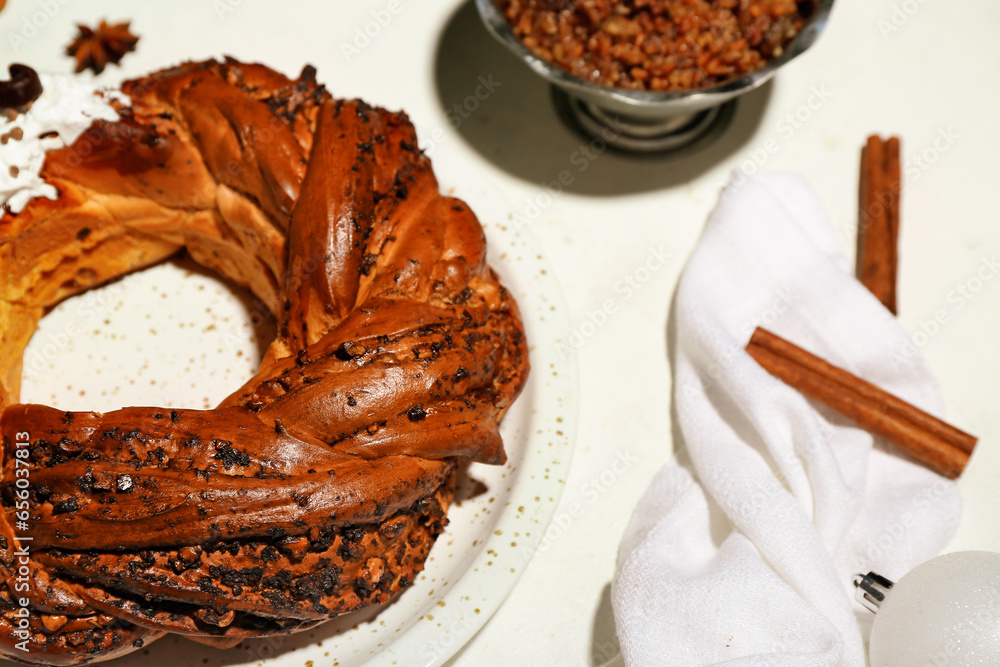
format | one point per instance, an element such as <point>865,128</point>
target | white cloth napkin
<point>743,549</point>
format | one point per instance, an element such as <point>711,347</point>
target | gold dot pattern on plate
<point>171,335</point>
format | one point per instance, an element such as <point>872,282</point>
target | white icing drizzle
<point>67,107</point>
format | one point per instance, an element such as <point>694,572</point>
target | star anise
<point>96,47</point>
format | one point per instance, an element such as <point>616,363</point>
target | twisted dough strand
<point>319,486</point>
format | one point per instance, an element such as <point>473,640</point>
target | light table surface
<point>616,231</point>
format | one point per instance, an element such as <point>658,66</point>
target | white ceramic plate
<point>172,335</point>
<point>175,336</point>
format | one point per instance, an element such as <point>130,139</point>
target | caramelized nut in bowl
<point>652,121</point>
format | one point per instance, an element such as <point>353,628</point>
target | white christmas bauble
<point>944,613</point>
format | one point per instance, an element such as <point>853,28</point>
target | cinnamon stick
<point>925,437</point>
<point>878,219</point>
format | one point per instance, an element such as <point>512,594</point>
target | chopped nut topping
<point>53,623</point>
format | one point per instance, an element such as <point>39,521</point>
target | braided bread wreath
<point>319,486</point>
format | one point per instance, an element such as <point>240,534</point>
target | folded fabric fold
<point>742,550</point>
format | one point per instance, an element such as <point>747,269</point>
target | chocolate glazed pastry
<point>317,488</point>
